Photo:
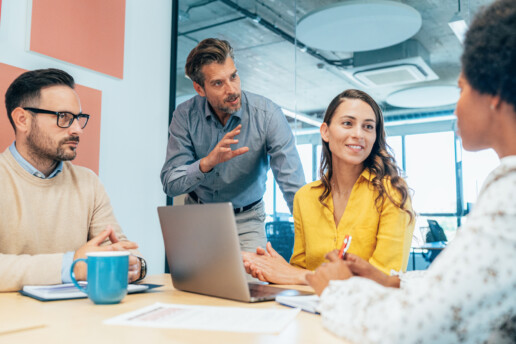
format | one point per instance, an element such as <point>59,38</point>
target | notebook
<point>307,303</point>
<point>203,253</point>
<point>69,291</point>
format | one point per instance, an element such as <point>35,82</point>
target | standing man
<point>49,208</point>
<point>221,142</point>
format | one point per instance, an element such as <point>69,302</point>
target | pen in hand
<point>345,246</point>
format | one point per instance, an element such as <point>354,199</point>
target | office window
<point>273,199</point>
<point>318,161</point>
<point>305,153</point>
<point>476,166</point>
<point>430,162</point>
<point>281,205</point>
<point>395,142</point>
<point>268,197</point>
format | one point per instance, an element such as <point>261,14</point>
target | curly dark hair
<point>380,162</point>
<point>25,90</point>
<point>206,52</point>
<point>489,57</point>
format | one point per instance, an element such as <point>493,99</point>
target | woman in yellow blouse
<point>360,194</point>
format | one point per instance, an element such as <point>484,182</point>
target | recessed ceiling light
<point>424,96</point>
<point>358,25</point>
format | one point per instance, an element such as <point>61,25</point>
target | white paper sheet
<point>230,319</point>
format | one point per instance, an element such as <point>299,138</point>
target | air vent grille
<point>400,64</point>
<point>388,76</point>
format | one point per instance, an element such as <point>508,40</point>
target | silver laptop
<point>203,253</point>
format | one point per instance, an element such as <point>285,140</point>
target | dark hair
<point>380,162</point>
<point>489,57</point>
<point>207,51</point>
<point>25,90</point>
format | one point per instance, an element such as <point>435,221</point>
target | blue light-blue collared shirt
<point>68,256</point>
<point>31,169</point>
<point>194,132</point>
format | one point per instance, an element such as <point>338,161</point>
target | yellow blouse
<point>382,238</point>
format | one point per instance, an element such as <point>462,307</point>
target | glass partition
<point>283,53</point>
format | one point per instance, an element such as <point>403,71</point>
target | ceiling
<point>304,80</point>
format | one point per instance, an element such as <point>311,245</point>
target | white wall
<point>134,112</point>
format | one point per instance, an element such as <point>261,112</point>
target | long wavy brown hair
<point>380,162</point>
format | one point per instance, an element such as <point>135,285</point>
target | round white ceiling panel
<point>358,25</point>
<point>424,96</point>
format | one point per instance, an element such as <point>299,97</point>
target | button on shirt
<point>68,256</point>
<point>195,131</point>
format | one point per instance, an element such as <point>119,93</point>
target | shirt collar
<point>367,175</point>
<point>31,169</point>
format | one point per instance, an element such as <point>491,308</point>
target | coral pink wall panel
<point>7,75</point>
<point>0,10</point>
<point>91,100</point>
<point>88,33</point>
<point>89,146</point>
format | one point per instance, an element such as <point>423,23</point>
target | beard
<point>231,109</point>
<point>42,146</point>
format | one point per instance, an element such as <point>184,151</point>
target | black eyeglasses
<point>64,119</point>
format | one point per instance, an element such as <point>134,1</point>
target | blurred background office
<point>404,53</point>
<point>298,53</point>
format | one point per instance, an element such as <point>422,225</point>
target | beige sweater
<point>41,219</point>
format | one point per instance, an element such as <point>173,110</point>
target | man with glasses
<point>223,140</point>
<point>51,212</point>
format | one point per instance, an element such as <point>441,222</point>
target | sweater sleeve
<point>19,270</point>
<point>42,219</point>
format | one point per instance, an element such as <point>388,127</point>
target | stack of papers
<point>209,318</point>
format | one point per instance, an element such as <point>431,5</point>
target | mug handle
<point>72,275</point>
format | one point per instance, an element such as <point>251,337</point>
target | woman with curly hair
<point>360,194</point>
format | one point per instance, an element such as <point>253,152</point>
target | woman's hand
<point>362,268</point>
<point>269,266</point>
<point>336,269</point>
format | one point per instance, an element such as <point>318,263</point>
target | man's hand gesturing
<point>222,151</point>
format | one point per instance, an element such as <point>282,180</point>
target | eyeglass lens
<point>65,120</point>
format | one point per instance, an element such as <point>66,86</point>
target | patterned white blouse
<point>468,295</point>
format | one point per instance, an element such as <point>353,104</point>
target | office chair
<point>281,236</point>
<point>436,233</point>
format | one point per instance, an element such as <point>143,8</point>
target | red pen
<point>345,246</point>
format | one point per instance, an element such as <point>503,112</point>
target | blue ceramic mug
<point>108,274</point>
